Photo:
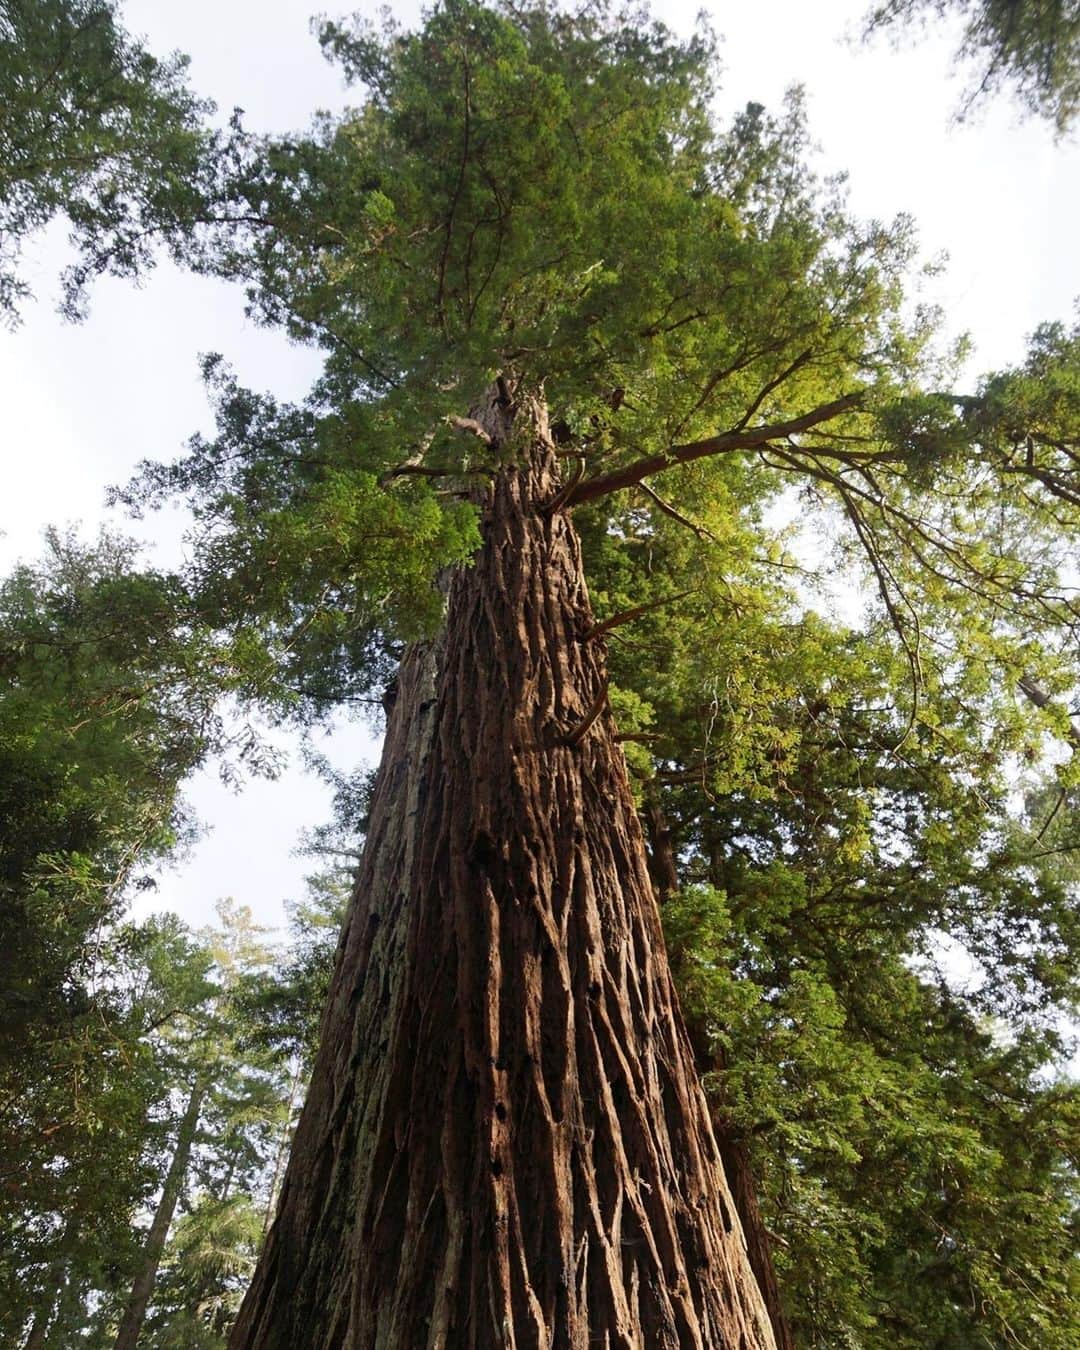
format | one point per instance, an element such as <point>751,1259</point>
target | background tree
<point>148,1235</point>
<point>83,1126</point>
<point>1029,46</point>
<point>112,695</point>
<point>96,129</point>
<point>230,1111</point>
<point>264,1059</point>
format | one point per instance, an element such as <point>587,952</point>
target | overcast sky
<point>82,404</point>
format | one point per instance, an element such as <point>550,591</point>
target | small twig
<point>883,575</point>
<point>1050,818</point>
<point>669,510</point>
<point>628,615</point>
<point>576,736</point>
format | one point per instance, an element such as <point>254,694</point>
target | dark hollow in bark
<point>505,1144</point>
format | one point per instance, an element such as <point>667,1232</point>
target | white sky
<point>81,405</point>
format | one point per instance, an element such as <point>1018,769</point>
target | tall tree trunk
<point>57,1280</point>
<point>505,1144</point>
<point>50,1296</point>
<point>143,1286</point>
<point>735,1156</point>
<point>42,1318</point>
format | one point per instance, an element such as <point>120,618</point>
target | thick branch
<point>565,494</point>
<point>470,424</point>
<point>577,735</point>
<point>423,471</point>
<point>749,439</point>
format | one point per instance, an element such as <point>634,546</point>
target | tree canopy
<point>96,129</point>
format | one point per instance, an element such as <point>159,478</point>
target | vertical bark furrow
<point>504,1144</point>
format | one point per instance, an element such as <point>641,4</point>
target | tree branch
<point>669,510</point>
<point>470,424</point>
<point>565,494</point>
<point>577,735</point>
<point>745,439</point>
<point>628,615</point>
<point>422,471</point>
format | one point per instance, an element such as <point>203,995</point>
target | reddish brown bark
<point>505,1144</point>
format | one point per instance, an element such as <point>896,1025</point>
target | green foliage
<point>112,694</point>
<point>655,277</point>
<point>915,1144</point>
<point>285,1013</point>
<point>252,1044</point>
<point>306,539</point>
<point>917,1168</point>
<point>210,1261</point>
<point>94,128</point>
<point>1031,47</point>
<point>178,1011</point>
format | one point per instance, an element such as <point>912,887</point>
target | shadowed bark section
<point>505,1144</point>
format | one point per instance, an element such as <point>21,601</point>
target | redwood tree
<point>504,1142</point>
<point>542,278</point>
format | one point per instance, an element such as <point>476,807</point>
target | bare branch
<point>883,575</point>
<point>577,735</point>
<point>565,494</point>
<point>423,471</point>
